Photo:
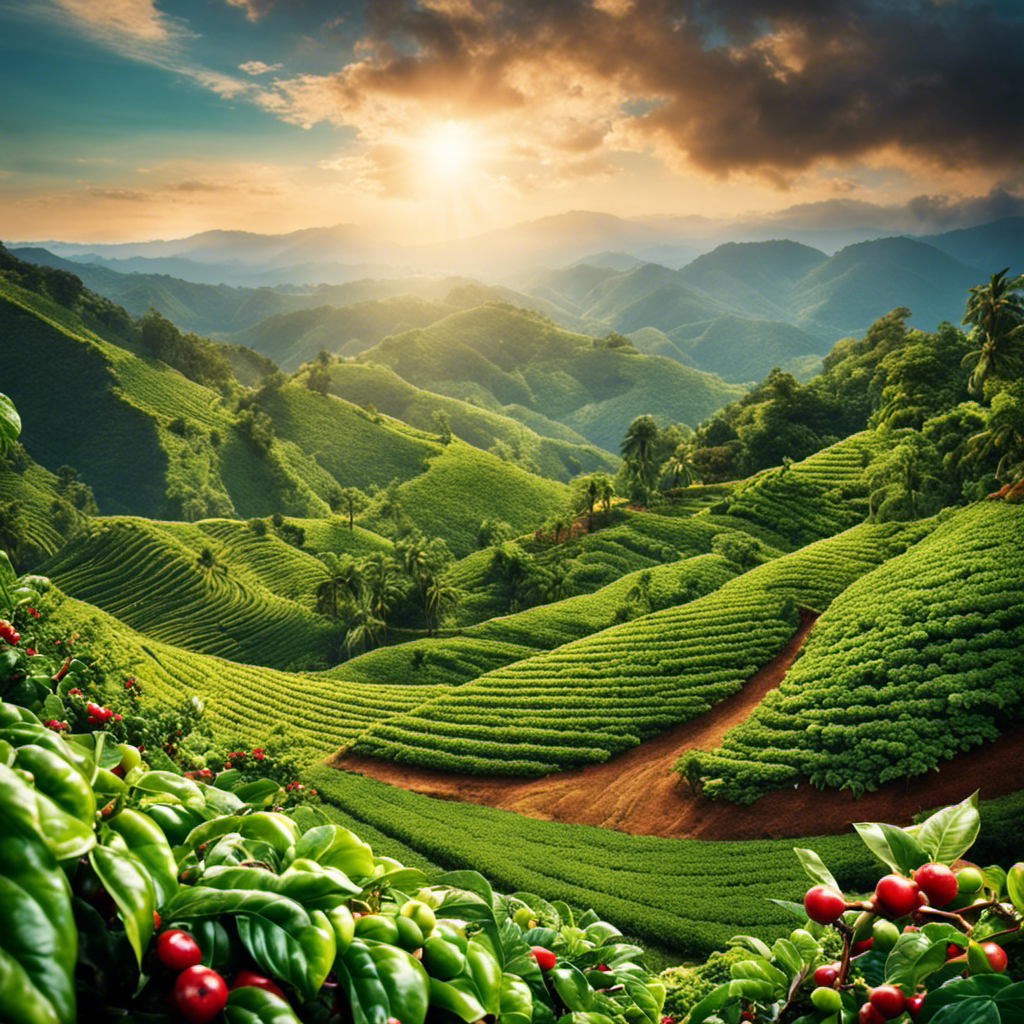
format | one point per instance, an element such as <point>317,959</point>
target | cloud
<point>773,91</point>
<point>257,67</point>
<point>254,9</point>
<point>122,195</point>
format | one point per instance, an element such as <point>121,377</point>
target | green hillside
<point>154,439</point>
<point>294,338</point>
<point>520,435</point>
<point>190,594</point>
<point>915,662</point>
<point>592,698</point>
<point>463,486</point>
<point>498,355</point>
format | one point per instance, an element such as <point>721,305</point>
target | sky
<point>421,120</point>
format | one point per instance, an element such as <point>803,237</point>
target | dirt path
<point>638,792</point>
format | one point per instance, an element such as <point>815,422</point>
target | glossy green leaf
<point>251,1005</point>
<point>405,981</point>
<point>66,836</point>
<point>1015,886</point>
<point>584,1018</point>
<point>950,832</point>
<point>227,779</point>
<point>995,879</point>
<point>38,938</point>
<point>148,843</point>
<point>270,926</point>
<point>891,845</point>
<point>132,890</point>
<point>359,980</point>
<point>970,1011</point>
<point>10,424</point>
<point>711,1004</point>
<point>642,995</point>
<point>469,881</point>
<point>167,782</point>
<point>815,868</point>
<point>222,802</point>
<point>59,780</point>
<point>573,989</point>
<point>337,847</point>
<point>444,996</point>
<point>258,793</point>
<point>515,997</point>
<point>912,959</point>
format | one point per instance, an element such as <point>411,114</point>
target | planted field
<point>911,665</point>
<point>309,714</point>
<point>843,463</point>
<point>688,895</point>
<point>587,700</point>
<point>29,526</point>
<point>346,441</point>
<point>551,625</point>
<point>450,661</point>
<point>464,485</point>
<point>160,587</point>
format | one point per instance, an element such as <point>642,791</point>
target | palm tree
<point>680,468</point>
<point>996,310</point>
<point>363,629</point>
<point>1004,433</point>
<point>382,584</point>
<point>343,576</point>
<point>439,597</point>
<point>638,450</point>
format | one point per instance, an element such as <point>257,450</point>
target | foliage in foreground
<point>925,945</point>
<point>137,891</point>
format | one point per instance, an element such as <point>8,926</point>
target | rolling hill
<point>498,355</point>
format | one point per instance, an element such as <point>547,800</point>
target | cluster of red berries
<point>299,786</point>
<point>8,633</point>
<point>129,683</point>
<point>200,993</point>
<point>97,715</point>
<point>200,774</point>
<point>52,723</point>
<point>33,613</point>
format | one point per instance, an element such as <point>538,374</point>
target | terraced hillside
<point>592,698</point>
<point>498,355</point>
<point>35,518</point>
<point>166,589</point>
<point>309,714</point>
<point>915,662</point>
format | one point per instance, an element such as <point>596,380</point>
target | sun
<point>449,150</point>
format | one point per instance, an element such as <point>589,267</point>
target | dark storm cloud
<point>771,88</point>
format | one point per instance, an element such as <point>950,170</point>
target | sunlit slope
<point>161,587</point>
<point>463,485</point>
<point>311,714</point>
<point>500,355</point>
<point>29,524</point>
<point>554,449</point>
<point>356,448</point>
<point>588,561</point>
<point>914,663</point>
<point>294,338</point>
<point>109,413</point>
<point>592,698</point>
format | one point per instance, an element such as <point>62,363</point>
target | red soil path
<point>638,792</point>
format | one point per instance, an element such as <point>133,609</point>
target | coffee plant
<point>926,945</point>
<point>140,893</point>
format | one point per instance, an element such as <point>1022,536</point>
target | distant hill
<point>499,355</point>
<point>988,247</point>
<point>523,436</point>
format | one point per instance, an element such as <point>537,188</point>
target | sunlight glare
<point>449,149</point>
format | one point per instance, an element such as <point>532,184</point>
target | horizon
<point>439,120</point>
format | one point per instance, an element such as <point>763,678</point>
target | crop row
<point>691,896</point>
<point>647,674</point>
<point>156,585</point>
<point>910,666</point>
